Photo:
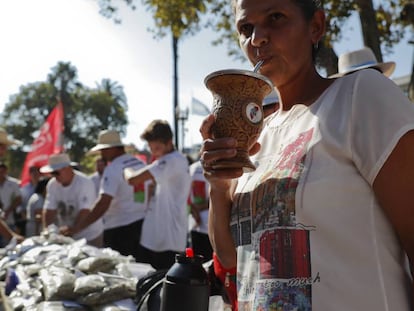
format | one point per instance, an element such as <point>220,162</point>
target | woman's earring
<point>316,45</point>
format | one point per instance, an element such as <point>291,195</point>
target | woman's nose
<point>259,37</point>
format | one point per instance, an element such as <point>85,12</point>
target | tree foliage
<point>381,24</point>
<point>86,111</point>
<point>180,17</point>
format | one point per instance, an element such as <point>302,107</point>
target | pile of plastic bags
<point>54,272</point>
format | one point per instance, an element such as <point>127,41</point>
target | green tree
<point>86,111</point>
<point>381,27</point>
<point>177,17</point>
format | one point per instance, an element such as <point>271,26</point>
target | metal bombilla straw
<point>258,65</point>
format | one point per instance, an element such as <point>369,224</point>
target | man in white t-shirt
<point>121,206</point>
<point>164,232</point>
<point>69,198</point>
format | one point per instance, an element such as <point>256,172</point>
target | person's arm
<point>98,210</point>
<point>48,217</point>
<point>38,221</point>
<point>197,208</point>
<point>5,230</point>
<point>394,187</point>
<point>49,212</point>
<point>82,214</point>
<point>13,205</point>
<point>135,178</point>
<point>219,224</point>
<point>221,192</point>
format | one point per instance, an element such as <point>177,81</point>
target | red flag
<point>48,142</point>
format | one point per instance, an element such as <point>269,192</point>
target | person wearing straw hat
<point>121,206</point>
<point>164,232</point>
<point>70,195</point>
<point>6,141</point>
<point>362,59</point>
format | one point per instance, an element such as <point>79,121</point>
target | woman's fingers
<point>205,128</point>
<point>221,148</point>
<point>254,149</point>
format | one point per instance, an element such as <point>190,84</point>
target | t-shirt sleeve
<point>159,168</point>
<point>381,115</point>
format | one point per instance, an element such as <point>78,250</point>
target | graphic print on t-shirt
<point>66,213</point>
<point>274,259</point>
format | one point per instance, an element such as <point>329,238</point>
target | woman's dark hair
<point>309,7</point>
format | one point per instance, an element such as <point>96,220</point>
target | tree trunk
<point>369,27</point>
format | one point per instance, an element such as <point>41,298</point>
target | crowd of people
<point>325,222</point>
<point>139,208</point>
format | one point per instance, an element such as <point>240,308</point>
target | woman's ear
<point>318,26</point>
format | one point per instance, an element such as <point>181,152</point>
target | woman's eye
<point>246,30</point>
<point>275,16</point>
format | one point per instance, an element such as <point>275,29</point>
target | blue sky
<point>35,35</point>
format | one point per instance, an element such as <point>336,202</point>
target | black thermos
<point>186,284</point>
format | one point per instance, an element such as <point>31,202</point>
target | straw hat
<point>6,140</point>
<point>107,139</point>
<point>361,59</point>
<point>57,162</point>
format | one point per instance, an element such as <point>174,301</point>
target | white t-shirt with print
<point>310,233</point>
<point>69,200</point>
<point>124,208</point>
<point>165,224</point>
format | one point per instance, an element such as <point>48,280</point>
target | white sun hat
<point>107,139</point>
<point>361,59</point>
<point>57,162</point>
